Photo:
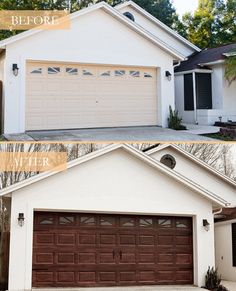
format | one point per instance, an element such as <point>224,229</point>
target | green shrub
<point>212,279</point>
<point>174,121</point>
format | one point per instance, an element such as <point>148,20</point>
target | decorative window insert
<point>46,220</point>
<point>168,161</point>
<point>147,75</point>
<point>72,71</point>
<point>87,73</point>
<point>127,221</point>
<point>135,74</point>
<point>87,221</point>
<point>53,70</point>
<point>107,221</point>
<point>66,220</point>
<point>106,74</point>
<point>182,223</point>
<point>119,73</point>
<point>146,222</point>
<point>164,223</point>
<point>37,71</point>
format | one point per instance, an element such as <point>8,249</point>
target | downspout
<point>195,98</point>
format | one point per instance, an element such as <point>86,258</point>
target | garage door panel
<point>76,250</point>
<point>77,99</point>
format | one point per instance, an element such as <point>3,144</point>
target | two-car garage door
<point>64,96</point>
<point>73,250</point>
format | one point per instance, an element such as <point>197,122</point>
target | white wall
<point>114,183</point>
<point>229,100</point>
<point>199,175</point>
<point>223,249</point>
<point>94,38</point>
<point>159,32</point>
<point>188,116</point>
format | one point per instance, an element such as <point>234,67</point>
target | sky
<point>183,6</point>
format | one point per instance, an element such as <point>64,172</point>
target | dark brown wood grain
<point>75,250</point>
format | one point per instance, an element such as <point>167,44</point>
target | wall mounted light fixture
<point>206,224</point>
<point>21,219</point>
<point>168,75</point>
<point>15,69</point>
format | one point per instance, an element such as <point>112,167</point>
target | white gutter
<point>212,63</point>
<point>194,70</point>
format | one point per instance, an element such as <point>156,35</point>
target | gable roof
<point>158,23</point>
<point>113,12</point>
<point>138,154</point>
<point>204,165</point>
<point>207,57</point>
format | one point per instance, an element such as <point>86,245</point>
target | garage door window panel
<point>54,70</point>
<point>72,71</point>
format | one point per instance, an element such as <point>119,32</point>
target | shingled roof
<point>205,56</point>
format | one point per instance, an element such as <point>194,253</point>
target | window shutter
<point>234,243</point>
<point>188,92</point>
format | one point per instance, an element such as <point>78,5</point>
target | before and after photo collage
<point>118,145</point>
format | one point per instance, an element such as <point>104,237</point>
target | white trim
<point>212,63</point>
<point>225,222</point>
<point>116,14</point>
<point>158,22</point>
<point>194,159</point>
<point>151,161</point>
<point>194,71</point>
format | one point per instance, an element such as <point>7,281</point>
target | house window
<point>188,92</point>
<point>72,71</point>
<point>204,91</point>
<point>234,244</point>
<point>53,70</point>
<point>36,71</point>
<point>168,161</point>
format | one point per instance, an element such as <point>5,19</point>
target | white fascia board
<point>195,160</point>
<point>107,8</point>
<point>150,161</point>
<point>194,71</point>
<point>158,22</point>
<point>212,63</point>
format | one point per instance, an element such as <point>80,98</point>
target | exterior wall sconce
<point>21,219</point>
<point>15,70</point>
<point>168,75</point>
<point>206,224</point>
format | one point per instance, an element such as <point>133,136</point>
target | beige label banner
<point>34,19</point>
<point>33,162</point>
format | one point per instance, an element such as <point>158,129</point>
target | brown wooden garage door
<point>73,250</point>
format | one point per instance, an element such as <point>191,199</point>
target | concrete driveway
<point>128,134</point>
<point>231,286</point>
<point>141,288</point>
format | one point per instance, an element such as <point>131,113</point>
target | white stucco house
<point>117,217</point>
<point>202,93</point>
<point>112,68</point>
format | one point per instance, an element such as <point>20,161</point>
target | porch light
<point>15,69</point>
<point>168,75</point>
<point>206,224</point>
<point>21,219</point>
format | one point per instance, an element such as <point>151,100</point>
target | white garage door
<point>64,96</point>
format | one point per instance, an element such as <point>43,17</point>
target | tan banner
<point>34,19</point>
<point>33,162</point>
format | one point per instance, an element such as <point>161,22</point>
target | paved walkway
<point>128,134</point>
<point>231,286</point>
<point>144,288</point>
